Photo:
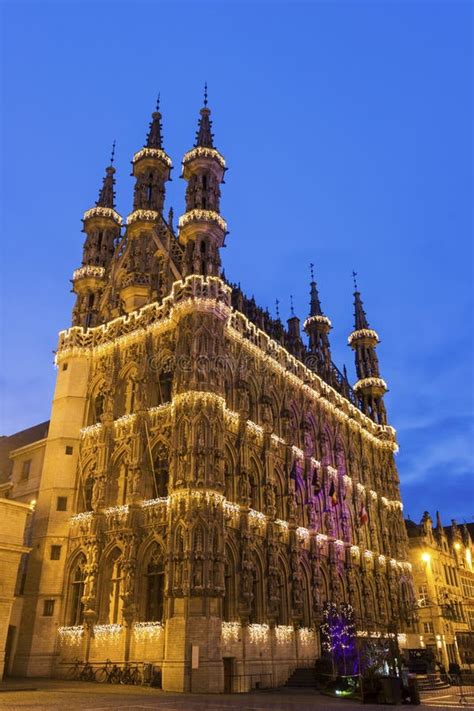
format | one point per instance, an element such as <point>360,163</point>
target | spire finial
<point>311,269</point>
<point>205,93</point>
<point>277,305</point>
<point>354,275</point>
<point>292,310</point>
<point>112,156</point>
<point>154,138</point>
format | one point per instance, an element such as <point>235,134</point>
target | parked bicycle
<point>81,671</point>
<point>110,673</point>
<point>131,675</point>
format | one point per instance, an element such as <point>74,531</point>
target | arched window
<point>115,583</point>
<point>86,502</point>
<point>78,577</point>
<point>155,585</point>
<point>165,385</point>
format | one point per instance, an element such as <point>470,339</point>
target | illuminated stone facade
<point>209,478</point>
<point>444,585</point>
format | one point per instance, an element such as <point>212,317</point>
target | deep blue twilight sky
<point>347,131</point>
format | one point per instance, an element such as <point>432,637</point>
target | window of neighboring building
<point>55,552</point>
<point>25,470</point>
<point>61,504</point>
<point>69,449</point>
<point>428,627</point>
<point>48,608</point>
<point>470,614</point>
<point>423,595</point>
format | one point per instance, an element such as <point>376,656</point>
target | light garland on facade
<point>89,270</point>
<point>299,454</point>
<point>107,632</point>
<point>362,333</point>
<point>373,494</point>
<point>284,634</point>
<point>342,409</point>
<point>231,508</point>
<point>258,633</point>
<point>203,152</point>
<point>82,517</point>
<point>231,631</point>
<point>190,397</point>
<point>302,532</point>
<point>197,215</point>
<point>71,635</point>
<point>332,472</point>
<point>102,212</point>
<point>147,630</point>
<point>143,216</point>
<point>317,319</point>
<point>117,510</point>
<point>257,516</point>
<point>153,153</point>
<point>370,383</point>
<point>160,501</point>
<point>307,635</point>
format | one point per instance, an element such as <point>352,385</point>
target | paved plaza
<point>41,694</point>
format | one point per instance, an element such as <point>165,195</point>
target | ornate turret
<point>317,326</point>
<point>102,226</point>
<point>293,340</point>
<point>151,168</point>
<point>370,387</point>
<point>202,229</point>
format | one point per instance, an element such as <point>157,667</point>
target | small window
<point>48,608</point>
<point>428,627</point>
<point>25,470</point>
<point>61,504</point>
<point>55,552</point>
<point>69,449</point>
<point>65,365</point>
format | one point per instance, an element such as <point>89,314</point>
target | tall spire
<point>102,226</point>
<point>151,168</point>
<point>370,387</point>
<point>201,229</point>
<point>154,137</point>
<point>107,194</point>
<point>317,326</point>
<point>204,134</point>
<point>359,313</point>
<point>315,304</point>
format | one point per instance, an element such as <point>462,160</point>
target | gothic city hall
<point>210,478</point>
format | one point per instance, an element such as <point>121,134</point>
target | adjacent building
<point>209,478</point>
<point>442,560</point>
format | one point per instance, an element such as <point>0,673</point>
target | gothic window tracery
<point>154,584</point>
<point>112,585</point>
<point>77,578</point>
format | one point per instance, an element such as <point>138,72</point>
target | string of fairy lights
<point>258,519</point>
<point>195,288</point>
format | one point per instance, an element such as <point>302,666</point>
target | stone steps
<point>303,677</point>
